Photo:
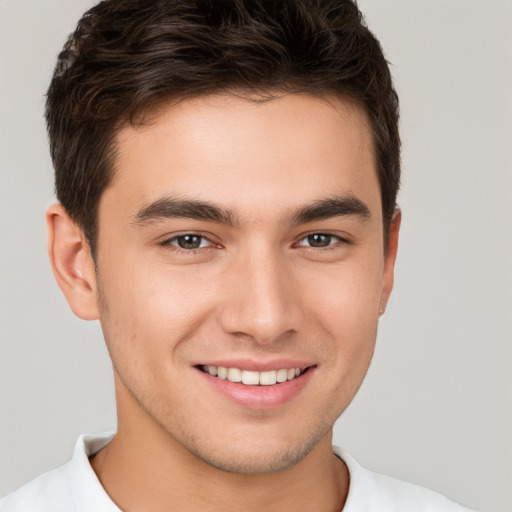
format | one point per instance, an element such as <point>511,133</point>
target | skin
<point>255,290</point>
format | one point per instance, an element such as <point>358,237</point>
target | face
<point>243,241</point>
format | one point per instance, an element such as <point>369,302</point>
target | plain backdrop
<point>436,408</point>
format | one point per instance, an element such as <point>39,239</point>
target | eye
<point>319,240</point>
<point>189,241</point>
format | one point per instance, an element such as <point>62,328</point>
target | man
<point>227,175</point>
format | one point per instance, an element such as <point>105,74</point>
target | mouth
<point>245,386</point>
<point>254,378</point>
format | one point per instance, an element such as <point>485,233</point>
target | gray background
<point>436,407</point>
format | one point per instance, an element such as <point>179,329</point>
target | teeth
<point>268,378</point>
<point>234,375</point>
<point>282,375</point>
<point>251,378</point>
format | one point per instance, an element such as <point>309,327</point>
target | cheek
<point>349,293</point>
<point>151,308</point>
<point>346,303</point>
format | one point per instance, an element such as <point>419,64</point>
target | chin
<point>256,458</point>
<point>250,463</point>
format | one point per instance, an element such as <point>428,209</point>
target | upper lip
<point>257,366</point>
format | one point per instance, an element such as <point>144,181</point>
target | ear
<point>72,263</point>
<point>390,259</point>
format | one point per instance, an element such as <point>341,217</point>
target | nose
<point>262,299</point>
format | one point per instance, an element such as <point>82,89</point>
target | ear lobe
<point>72,263</point>
<point>390,259</point>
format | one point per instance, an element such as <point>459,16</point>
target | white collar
<point>85,488</point>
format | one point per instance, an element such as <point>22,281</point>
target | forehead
<point>241,152</point>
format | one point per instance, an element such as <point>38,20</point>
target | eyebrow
<point>168,207</point>
<point>346,205</point>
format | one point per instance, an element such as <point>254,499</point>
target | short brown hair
<point>128,56</point>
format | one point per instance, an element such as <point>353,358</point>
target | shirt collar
<point>86,490</point>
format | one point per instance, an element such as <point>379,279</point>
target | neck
<point>144,468</point>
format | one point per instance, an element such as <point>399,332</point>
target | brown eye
<point>189,241</point>
<point>319,240</point>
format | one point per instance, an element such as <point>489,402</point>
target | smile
<point>253,378</point>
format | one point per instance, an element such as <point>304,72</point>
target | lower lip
<point>259,397</point>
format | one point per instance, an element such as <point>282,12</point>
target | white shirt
<point>74,487</point>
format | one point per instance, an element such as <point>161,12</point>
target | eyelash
<point>172,246</point>
<point>172,243</point>
<point>338,240</point>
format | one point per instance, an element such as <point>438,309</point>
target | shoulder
<point>71,487</point>
<point>374,492</point>
<point>48,492</point>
